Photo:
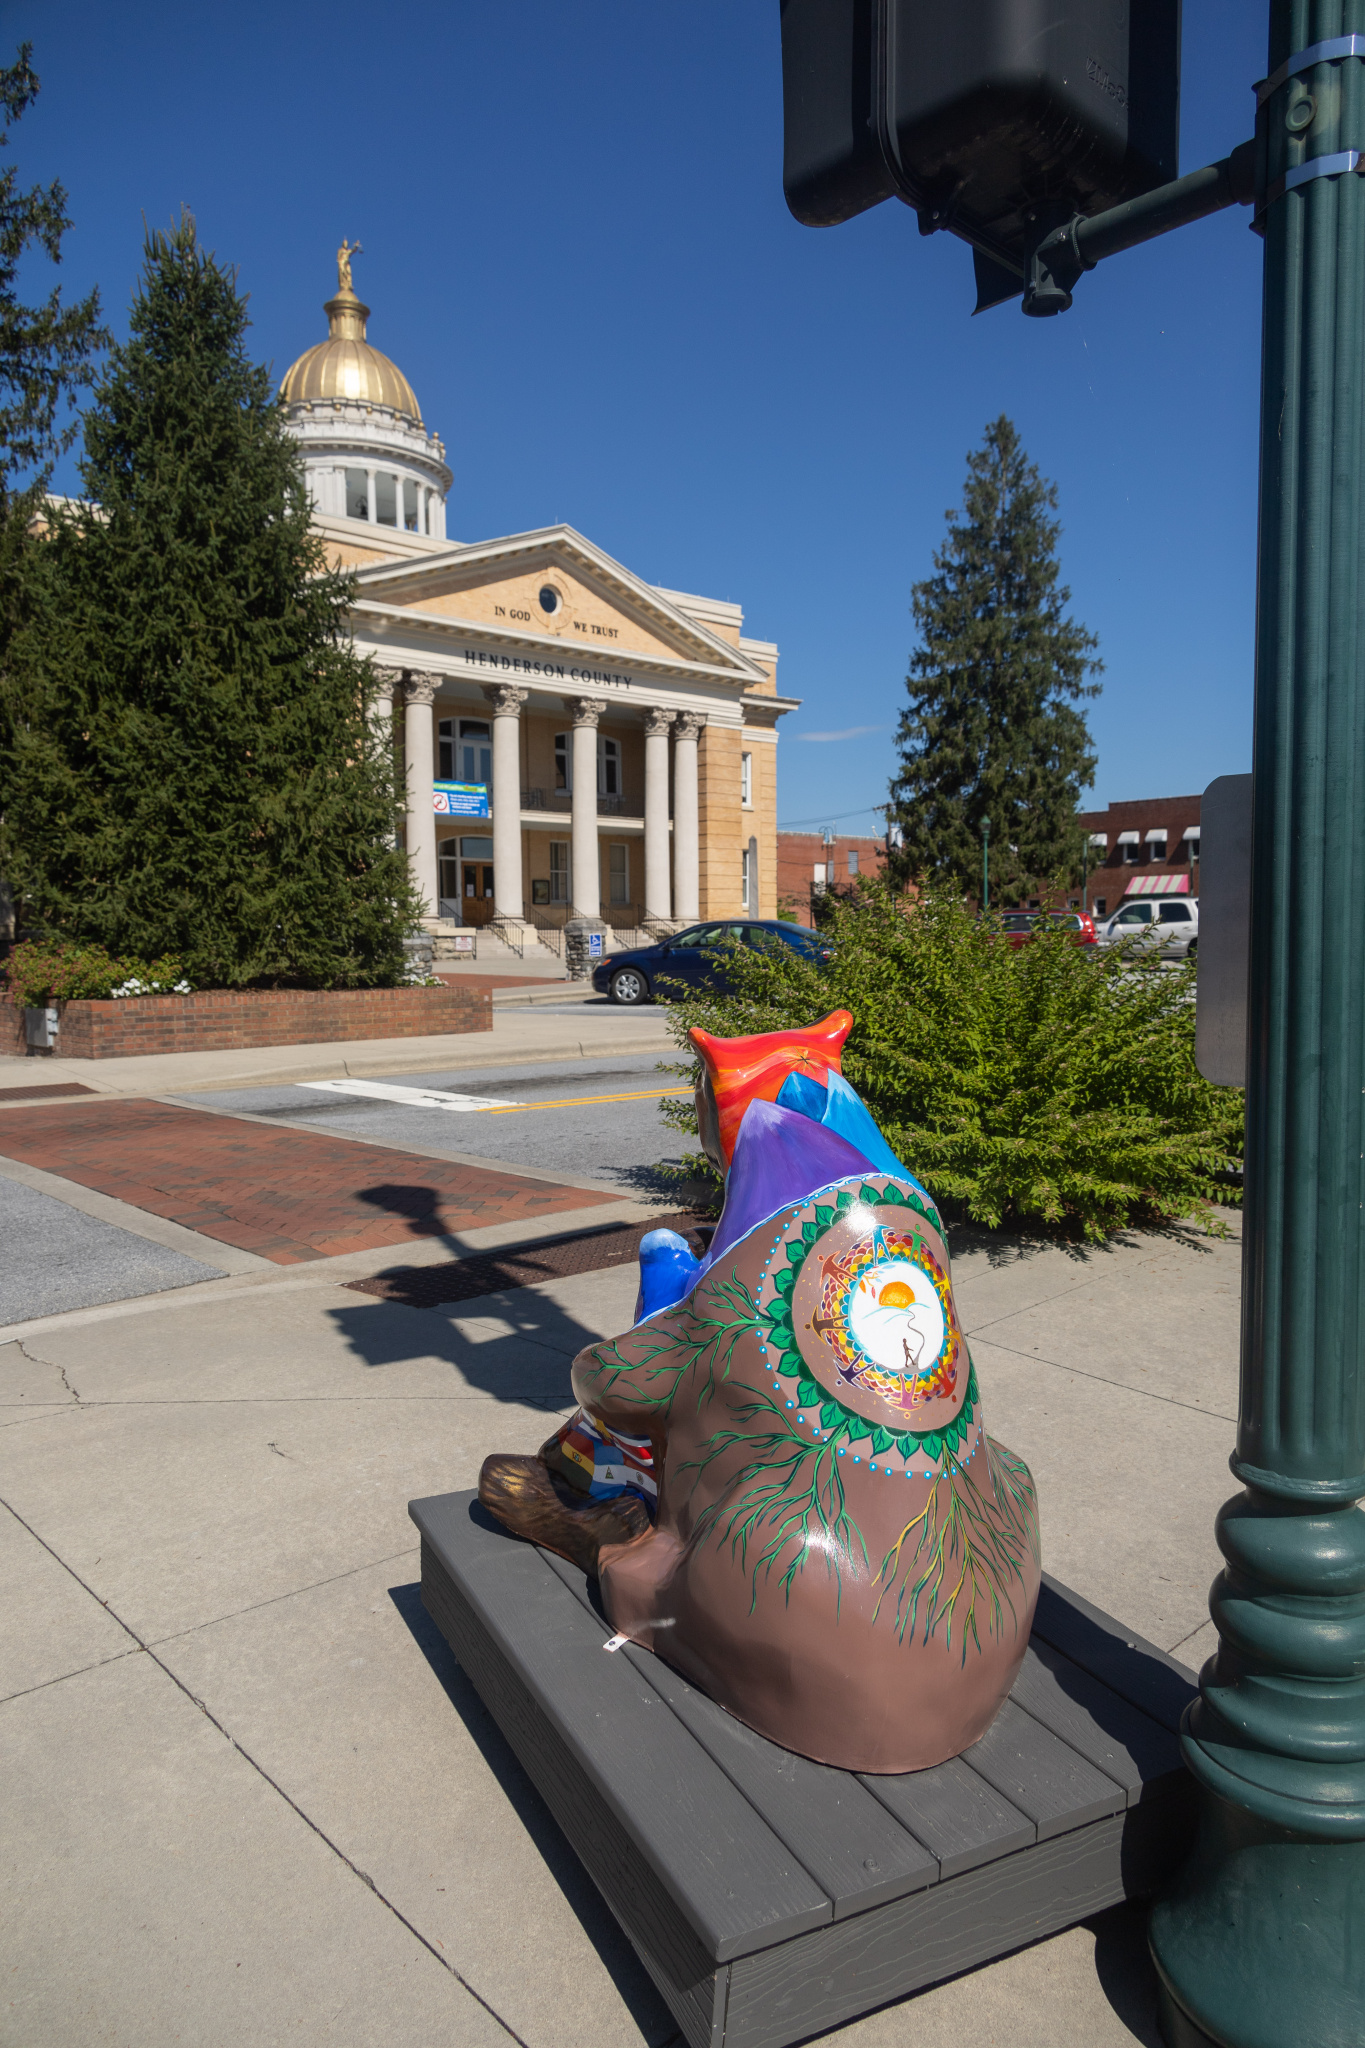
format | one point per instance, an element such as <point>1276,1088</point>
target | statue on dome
<point>344,255</point>
<point>780,1474</point>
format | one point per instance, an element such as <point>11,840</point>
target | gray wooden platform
<point>770,1897</point>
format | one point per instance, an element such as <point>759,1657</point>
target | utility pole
<point>1262,1941</point>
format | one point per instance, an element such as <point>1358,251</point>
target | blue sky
<point>577,248</point>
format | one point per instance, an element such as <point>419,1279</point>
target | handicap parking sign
<point>594,945</point>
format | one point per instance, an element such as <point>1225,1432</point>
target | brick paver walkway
<point>287,1195</point>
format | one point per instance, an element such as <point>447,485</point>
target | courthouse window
<point>746,779</point>
<point>608,768</point>
<point>563,761</point>
<point>559,871</point>
<point>618,870</point>
<point>357,494</point>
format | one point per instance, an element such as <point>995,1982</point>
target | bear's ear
<point>743,1070</point>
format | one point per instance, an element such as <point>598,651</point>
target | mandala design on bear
<point>886,1311</point>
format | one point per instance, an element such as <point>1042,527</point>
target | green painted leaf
<point>907,1445</point>
<point>792,1363</point>
<point>823,1218</point>
<point>931,1443</point>
<point>808,1394</point>
<point>810,1231</point>
<point>785,1279</point>
<point>831,1415</point>
<point>867,1194</point>
<point>858,1428</point>
<point>882,1440</point>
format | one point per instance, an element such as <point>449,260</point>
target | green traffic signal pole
<point>1260,1943</point>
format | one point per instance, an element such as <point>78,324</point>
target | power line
<point>828,818</point>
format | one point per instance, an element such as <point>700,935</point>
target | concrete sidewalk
<point>579,1027</point>
<point>248,1793</point>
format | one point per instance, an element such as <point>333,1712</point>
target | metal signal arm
<point>1062,256</point>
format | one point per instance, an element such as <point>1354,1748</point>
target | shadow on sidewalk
<point>528,1362</point>
<point>594,1916</point>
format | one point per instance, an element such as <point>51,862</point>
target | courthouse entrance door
<point>476,879</point>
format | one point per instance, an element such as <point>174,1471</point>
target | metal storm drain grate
<point>587,1251</point>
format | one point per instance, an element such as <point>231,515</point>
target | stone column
<point>388,692</point>
<point>508,891</point>
<point>658,893</point>
<point>371,509</point>
<point>418,736</point>
<point>587,884</point>
<point>686,833</point>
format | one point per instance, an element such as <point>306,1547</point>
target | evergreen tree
<point>192,769</point>
<point>46,350</point>
<point>992,732</point>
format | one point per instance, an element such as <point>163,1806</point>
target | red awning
<point>1158,885</point>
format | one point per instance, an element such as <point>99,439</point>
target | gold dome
<point>346,367</point>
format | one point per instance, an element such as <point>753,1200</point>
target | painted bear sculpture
<point>780,1474</point>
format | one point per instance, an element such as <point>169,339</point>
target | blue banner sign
<point>460,799</point>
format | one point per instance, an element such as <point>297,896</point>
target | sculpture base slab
<point>769,1897</point>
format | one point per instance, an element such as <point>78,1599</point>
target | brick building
<point>1142,846</point>
<point>807,863</point>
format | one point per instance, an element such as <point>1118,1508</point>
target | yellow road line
<point>582,1101</point>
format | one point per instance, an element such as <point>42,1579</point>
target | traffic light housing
<point>995,119</point>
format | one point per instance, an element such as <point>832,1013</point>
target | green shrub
<point>1039,1087</point>
<point>56,972</point>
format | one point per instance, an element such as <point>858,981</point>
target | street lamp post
<point>1261,1942</point>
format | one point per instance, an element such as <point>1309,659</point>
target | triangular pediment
<point>551,588</point>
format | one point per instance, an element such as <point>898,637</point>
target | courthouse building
<point>578,742</point>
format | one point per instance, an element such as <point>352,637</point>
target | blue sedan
<point>696,957</point>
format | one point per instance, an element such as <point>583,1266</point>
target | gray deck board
<point>956,1813</point>
<point>1134,1668</point>
<point>770,1897</point>
<point>854,1847</point>
<point>1042,1775</point>
<point>738,1885</point>
<point>1118,1738</point>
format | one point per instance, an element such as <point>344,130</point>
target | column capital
<point>688,724</point>
<point>584,710</point>
<point>421,687</point>
<point>657,720</point>
<point>505,698</point>
<point>390,680</point>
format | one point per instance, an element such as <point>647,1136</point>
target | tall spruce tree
<point>992,732</point>
<point>193,769</point>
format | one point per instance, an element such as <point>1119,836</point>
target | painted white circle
<point>896,1318</point>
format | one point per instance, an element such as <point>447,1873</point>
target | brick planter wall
<point>226,1019</point>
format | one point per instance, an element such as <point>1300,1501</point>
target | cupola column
<point>509,896</point>
<point>686,830</point>
<point>658,889</point>
<point>419,692</point>
<point>587,880</point>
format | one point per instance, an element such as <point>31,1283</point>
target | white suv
<point>1172,924</point>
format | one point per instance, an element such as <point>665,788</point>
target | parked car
<point>1020,925</point>
<point>1167,927</point>
<point>696,957</point>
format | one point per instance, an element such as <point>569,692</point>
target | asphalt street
<point>595,1119</point>
<point>55,1258</point>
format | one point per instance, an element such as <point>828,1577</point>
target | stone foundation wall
<point>227,1019</point>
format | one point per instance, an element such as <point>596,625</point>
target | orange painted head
<point>744,1070</point>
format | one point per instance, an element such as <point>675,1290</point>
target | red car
<point>1020,925</point>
